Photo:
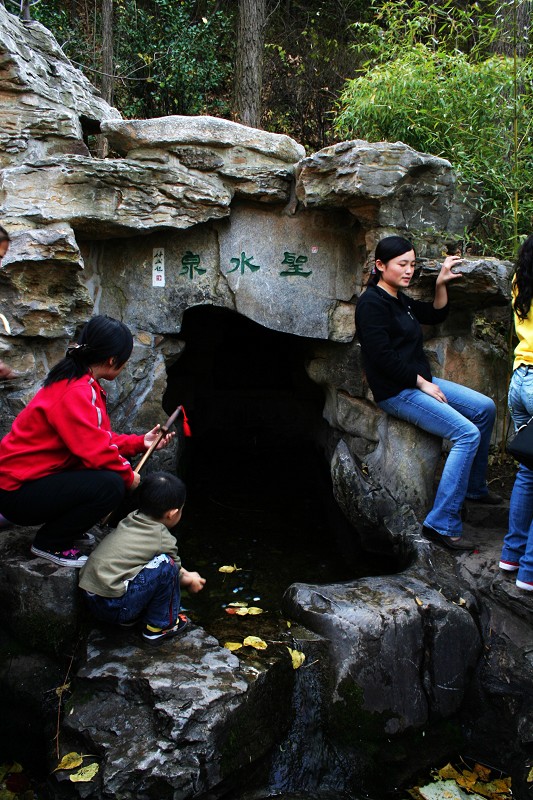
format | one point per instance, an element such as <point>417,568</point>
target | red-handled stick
<point>162,432</point>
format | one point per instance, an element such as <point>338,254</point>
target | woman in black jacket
<point>398,372</point>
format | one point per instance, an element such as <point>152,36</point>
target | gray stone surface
<point>180,720</point>
<point>169,132</point>
<point>50,94</point>
<point>39,600</point>
<point>384,184</point>
<point>109,198</point>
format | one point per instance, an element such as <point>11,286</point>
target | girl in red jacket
<point>61,464</point>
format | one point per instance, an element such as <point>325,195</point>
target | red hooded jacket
<point>65,427</point>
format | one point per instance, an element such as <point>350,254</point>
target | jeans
<point>518,543</point>
<point>466,420</point>
<point>68,503</point>
<point>153,595</point>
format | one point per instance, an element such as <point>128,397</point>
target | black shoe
<point>65,558</point>
<point>450,542</point>
<point>156,636</point>
<point>489,499</point>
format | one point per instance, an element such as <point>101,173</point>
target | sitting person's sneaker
<point>154,635</point>
<point>65,558</point>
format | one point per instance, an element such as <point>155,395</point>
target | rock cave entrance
<point>258,482</point>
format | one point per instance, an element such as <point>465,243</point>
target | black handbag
<point>520,444</point>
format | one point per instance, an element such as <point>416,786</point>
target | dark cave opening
<point>259,489</point>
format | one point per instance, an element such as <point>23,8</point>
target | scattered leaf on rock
<point>230,610</point>
<point>70,761</point>
<point>61,689</point>
<point>228,569</point>
<point>256,642</point>
<point>529,778</point>
<point>238,604</point>
<point>297,657</point>
<point>85,774</point>
<point>418,601</point>
<point>232,646</point>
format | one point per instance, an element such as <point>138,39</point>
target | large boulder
<point>106,198</point>
<point>385,184</point>
<point>256,164</point>
<point>56,105</point>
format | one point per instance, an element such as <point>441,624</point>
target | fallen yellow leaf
<point>85,774</point>
<point>449,773</point>
<point>253,611</point>
<point>232,646</point>
<point>418,601</point>
<point>70,761</point>
<point>237,605</point>
<point>297,657</point>
<point>256,642</point>
<point>529,778</point>
<point>61,689</point>
<point>480,770</point>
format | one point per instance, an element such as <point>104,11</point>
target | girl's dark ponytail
<point>101,338</point>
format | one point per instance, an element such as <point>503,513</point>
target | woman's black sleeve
<point>373,320</point>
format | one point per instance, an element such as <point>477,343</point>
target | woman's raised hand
<point>152,435</point>
<point>446,273</point>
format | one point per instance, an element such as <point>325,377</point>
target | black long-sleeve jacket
<point>391,339</point>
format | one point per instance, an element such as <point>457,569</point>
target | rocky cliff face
<point>192,212</point>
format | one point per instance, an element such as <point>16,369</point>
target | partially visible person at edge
<point>61,465</point>
<point>517,551</point>
<point>6,373</point>
<point>398,372</point>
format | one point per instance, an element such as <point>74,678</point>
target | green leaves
<point>421,89</point>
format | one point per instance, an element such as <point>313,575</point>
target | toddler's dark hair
<point>159,492</point>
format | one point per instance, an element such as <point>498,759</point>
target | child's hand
<point>192,581</point>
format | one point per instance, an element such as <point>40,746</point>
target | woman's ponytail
<point>101,338</point>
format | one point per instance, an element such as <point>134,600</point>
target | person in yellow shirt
<point>517,551</point>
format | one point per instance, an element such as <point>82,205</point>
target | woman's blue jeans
<point>153,595</point>
<point>466,420</point>
<point>518,544</point>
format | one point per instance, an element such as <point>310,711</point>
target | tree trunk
<point>107,51</point>
<point>107,84</point>
<point>513,23</point>
<point>249,61</point>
